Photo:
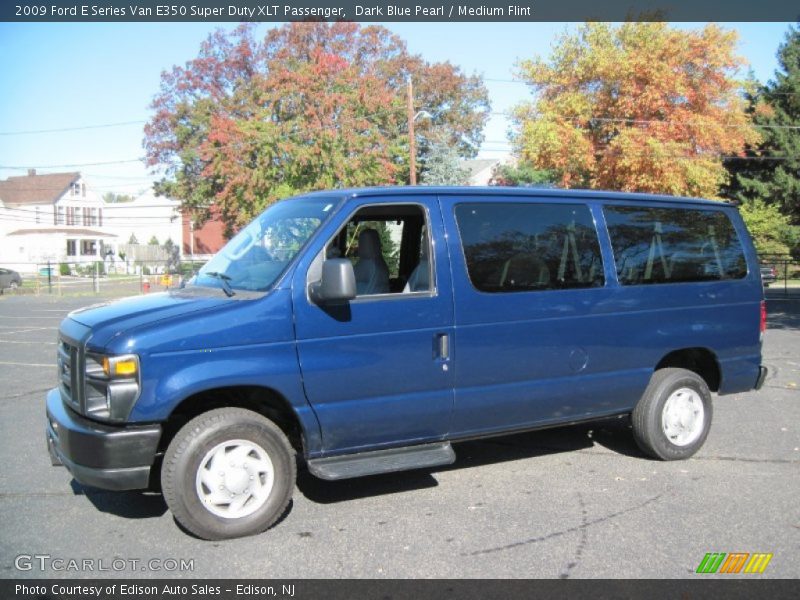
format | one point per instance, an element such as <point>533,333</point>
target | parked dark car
<point>367,330</point>
<point>9,279</point>
<point>768,275</point>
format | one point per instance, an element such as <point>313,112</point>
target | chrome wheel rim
<point>683,417</point>
<point>235,479</point>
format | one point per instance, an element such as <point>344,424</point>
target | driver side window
<point>389,248</point>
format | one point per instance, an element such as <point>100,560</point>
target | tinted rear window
<point>522,247</point>
<point>669,245</point>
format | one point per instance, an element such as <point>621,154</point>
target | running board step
<point>382,461</point>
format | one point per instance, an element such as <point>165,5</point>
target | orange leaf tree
<point>638,107</point>
<point>311,106</point>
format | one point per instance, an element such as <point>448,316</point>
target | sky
<point>70,75</point>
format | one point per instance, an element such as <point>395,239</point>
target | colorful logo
<point>735,562</point>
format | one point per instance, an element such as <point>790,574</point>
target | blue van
<point>366,330</point>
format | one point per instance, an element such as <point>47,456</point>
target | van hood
<point>109,319</point>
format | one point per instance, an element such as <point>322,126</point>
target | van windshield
<point>254,259</point>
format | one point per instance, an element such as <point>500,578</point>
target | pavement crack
<point>29,393</point>
<point>584,537</point>
<point>584,524</point>
<point>10,495</point>
<point>775,461</point>
<point>782,387</point>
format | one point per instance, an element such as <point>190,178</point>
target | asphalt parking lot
<point>578,502</point>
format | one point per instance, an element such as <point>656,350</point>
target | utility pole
<point>412,150</point>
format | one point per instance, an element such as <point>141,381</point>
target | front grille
<point>69,371</point>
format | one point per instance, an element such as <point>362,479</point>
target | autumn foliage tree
<point>636,107</point>
<point>311,106</point>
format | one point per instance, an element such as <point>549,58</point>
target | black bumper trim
<point>762,375</point>
<point>103,456</point>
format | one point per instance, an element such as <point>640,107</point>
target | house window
<point>75,189</point>
<point>86,217</point>
<point>71,248</point>
<point>88,248</point>
<point>38,216</point>
<point>100,216</point>
<point>70,215</point>
<point>59,215</point>
<point>83,190</point>
<point>93,216</point>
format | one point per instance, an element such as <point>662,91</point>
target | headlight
<point>117,367</point>
<point>112,384</point>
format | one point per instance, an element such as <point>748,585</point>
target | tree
<point>770,171</point>
<point>173,256</point>
<point>521,175</point>
<point>111,197</point>
<point>443,166</point>
<point>153,241</point>
<point>132,239</point>
<point>639,107</point>
<point>311,106</point>
<point>771,230</point>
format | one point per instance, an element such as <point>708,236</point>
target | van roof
<point>500,191</point>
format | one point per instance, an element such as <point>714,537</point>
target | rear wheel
<point>228,473</point>
<point>672,419</point>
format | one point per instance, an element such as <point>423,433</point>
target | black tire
<point>648,415</point>
<point>190,446</point>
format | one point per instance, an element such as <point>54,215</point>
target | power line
<point>92,164</point>
<point>80,128</point>
<point>653,121</point>
<point>500,80</point>
<point>53,190</point>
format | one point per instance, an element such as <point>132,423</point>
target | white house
<point>480,170</point>
<point>51,217</point>
<point>147,216</point>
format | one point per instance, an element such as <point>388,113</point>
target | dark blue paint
<point>367,375</point>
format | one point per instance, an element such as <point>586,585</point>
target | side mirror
<point>338,283</point>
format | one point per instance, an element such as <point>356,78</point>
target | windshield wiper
<point>226,282</point>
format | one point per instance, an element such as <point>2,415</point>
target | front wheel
<point>672,419</point>
<point>228,473</point>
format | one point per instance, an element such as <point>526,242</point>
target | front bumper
<point>103,456</point>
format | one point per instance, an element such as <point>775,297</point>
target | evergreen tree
<point>443,166</point>
<point>770,172</point>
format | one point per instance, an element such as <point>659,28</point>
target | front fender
<point>170,378</point>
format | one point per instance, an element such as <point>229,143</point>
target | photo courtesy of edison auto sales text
<point>127,589</point>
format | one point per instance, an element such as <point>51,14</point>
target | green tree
<point>522,175</point>
<point>443,166</point>
<point>111,197</point>
<point>771,230</point>
<point>132,239</point>
<point>636,107</point>
<point>173,256</point>
<point>770,171</point>
<point>153,241</point>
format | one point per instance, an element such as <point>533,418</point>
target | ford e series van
<point>366,330</point>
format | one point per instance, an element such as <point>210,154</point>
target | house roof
<point>67,230</point>
<point>36,189</point>
<point>476,165</point>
